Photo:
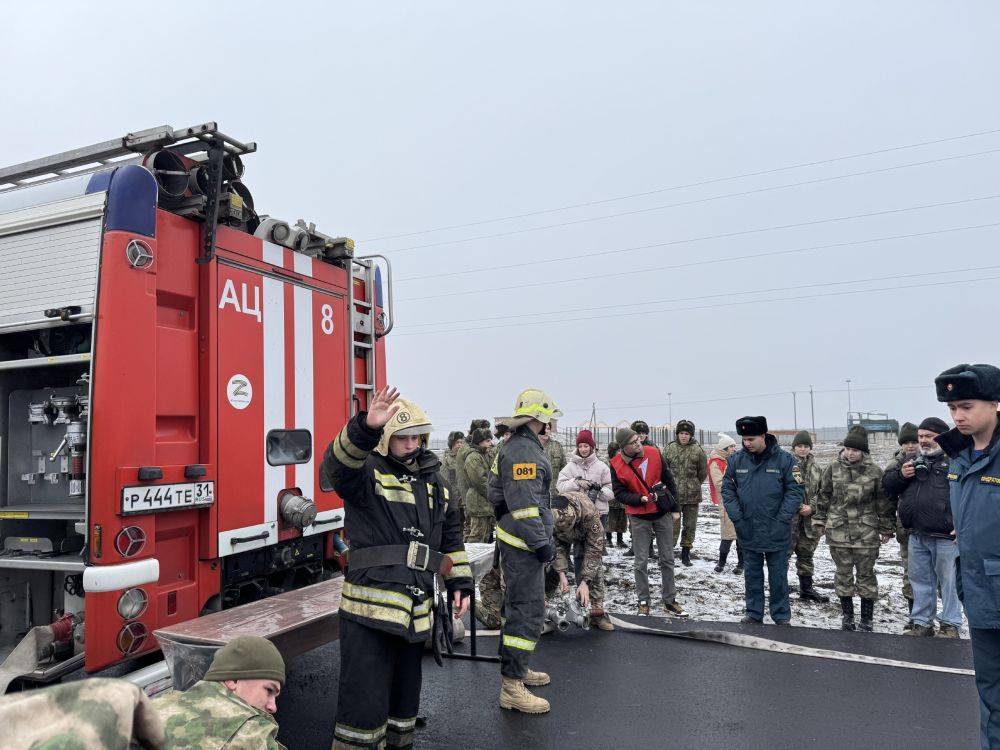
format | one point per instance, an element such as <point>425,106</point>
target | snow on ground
<point>707,595</point>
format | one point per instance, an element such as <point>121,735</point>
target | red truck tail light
<point>130,541</point>
<point>132,637</point>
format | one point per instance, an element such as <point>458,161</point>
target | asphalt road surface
<point>626,690</point>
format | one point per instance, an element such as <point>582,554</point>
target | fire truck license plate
<point>148,499</point>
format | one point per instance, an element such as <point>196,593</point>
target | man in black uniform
<point>519,492</point>
<point>402,532</point>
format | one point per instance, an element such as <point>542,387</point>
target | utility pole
<point>812,410</point>
<point>848,401</point>
<point>795,412</point>
<point>670,409</point>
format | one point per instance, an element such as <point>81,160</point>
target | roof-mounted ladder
<point>131,147</point>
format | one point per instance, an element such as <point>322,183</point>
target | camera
<point>921,467</point>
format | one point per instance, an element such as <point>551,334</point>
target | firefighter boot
<point>847,608</point>
<point>724,546</point>
<point>867,622</point>
<point>808,593</point>
<point>686,557</point>
<point>514,695</point>
<point>536,679</point>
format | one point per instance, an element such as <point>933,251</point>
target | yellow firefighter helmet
<point>409,420</point>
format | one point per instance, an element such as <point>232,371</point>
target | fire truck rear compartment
<point>44,410</point>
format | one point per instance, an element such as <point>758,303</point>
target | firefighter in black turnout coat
<point>401,533</point>
<point>518,489</point>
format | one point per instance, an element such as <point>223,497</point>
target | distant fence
<point>708,438</point>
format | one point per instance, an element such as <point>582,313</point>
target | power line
<point>712,261</point>
<point>712,306</point>
<point>704,238</point>
<point>578,256</point>
<point>700,183</point>
<point>648,303</point>
<point>692,202</point>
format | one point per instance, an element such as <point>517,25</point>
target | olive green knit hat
<point>248,657</point>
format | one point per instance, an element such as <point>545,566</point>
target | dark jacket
<point>387,503</point>
<point>975,500</point>
<point>518,490</point>
<point>762,492</point>
<point>924,504</point>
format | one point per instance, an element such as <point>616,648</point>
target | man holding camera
<point>920,481</point>
<point>762,490</point>
<point>642,482</point>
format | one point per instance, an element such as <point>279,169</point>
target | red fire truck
<point>172,366</point>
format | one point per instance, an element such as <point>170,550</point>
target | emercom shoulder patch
<point>797,474</point>
<point>525,471</point>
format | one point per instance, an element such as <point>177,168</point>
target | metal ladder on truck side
<point>364,333</point>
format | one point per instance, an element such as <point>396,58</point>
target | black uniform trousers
<point>379,694</point>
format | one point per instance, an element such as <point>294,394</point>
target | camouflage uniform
<point>854,509</point>
<point>689,466</point>
<point>617,520</point>
<point>210,716</point>
<point>583,527</point>
<point>92,714</point>
<point>462,483</point>
<point>478,509</point>
<point>449,462</point>
<point>804,537</point>
<point>557,458</point>
<point>491,593</point>
<point>902,534</point>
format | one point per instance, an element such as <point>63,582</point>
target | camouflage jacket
<point>461,481</point>
<point>477,472</point>
<point>209,716</point>
<point>897,460</point>
<point>852,505</point>
<point>449,462</point>
<point>93,714</point>
<point>812,475</point>
<point>583,527</point>
<point>689,466</point>
<point>557,458</point>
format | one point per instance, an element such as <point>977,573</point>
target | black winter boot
<point>867,622</point>
<point>621,540</point>
<point>724,546</point>
<point>739,560</point>
<point>807,593</point>
<point>686,557</point>
<point>847,608</point>
<point>909,622</point>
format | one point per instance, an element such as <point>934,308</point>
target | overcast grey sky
<point>390,118</point>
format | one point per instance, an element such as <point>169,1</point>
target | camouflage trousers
<point>480,529</point>
<point>617,521</point>
<point>803,547</point>
<point>491,590</point>
<point>689,524</point>
<point>597,588</point>
<point>855,571</point>
<point>903,537</point>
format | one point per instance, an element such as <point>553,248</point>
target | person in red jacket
<point>643,484</point>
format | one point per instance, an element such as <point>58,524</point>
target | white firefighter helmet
<point>533,403</point>
<point>409,420</point>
